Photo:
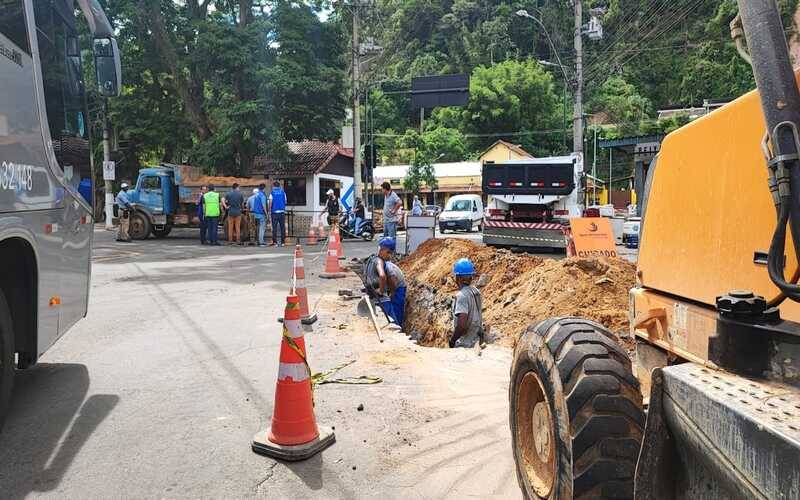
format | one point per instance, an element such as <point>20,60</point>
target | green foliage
<point>421,171</point>
<point>621,103</point>
<point>306,80</point>
<point>218,86</point>
<point>444,144</point>
<point>508,97</point>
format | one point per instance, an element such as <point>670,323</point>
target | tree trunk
<point>188,86</point>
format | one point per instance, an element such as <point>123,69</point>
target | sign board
<point>439,91</point>
<point>109,171</point>
<point>593,237</point>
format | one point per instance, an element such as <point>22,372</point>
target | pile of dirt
<point>518,290</point>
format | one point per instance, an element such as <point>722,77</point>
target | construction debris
<point>518,290</point>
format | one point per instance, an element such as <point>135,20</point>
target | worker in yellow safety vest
<point>211,211</point>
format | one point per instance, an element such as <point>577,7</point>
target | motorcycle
<point>347,228</point>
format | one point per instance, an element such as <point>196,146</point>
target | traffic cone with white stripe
<point>312,236</point>
<point>293,434</point>
<point>332,268</point>
<point>299,285</point>
<point>339,249</point>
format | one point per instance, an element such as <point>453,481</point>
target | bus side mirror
<point>107,67</point>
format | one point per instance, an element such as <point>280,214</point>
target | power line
<point>612,51</point>
<point>497,134</point>
<point>653,19</point>
<point>656,32</point>
<point>627,25</point>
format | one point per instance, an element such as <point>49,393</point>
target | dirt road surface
<point>158,392</point>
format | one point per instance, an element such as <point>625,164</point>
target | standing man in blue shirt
<point>201,215</point>
<point>260,213</point>
<point>277,210</point>
<point>252,226</point>
<point>125,210</point>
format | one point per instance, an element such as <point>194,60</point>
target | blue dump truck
<point>166,196</point>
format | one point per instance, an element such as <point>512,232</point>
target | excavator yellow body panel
<point>710,216</point>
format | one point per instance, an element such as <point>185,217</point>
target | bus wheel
<point>575,412</point>
<point>140,226</point>
<point>6,358</point>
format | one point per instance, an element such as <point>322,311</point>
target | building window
<point>324,186</point>
<point>295,188</point>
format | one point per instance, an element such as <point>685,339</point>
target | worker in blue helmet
<point>467,307</point>
<point>391,283</point>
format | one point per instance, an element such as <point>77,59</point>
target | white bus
<point>46,181</point>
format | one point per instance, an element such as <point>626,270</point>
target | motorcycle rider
<point>359,216</point>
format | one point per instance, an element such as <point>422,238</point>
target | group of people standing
<point>256,207</point>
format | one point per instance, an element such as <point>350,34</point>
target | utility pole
<point>109,189</point>
<point>357,188</point>
<point>577,123</point>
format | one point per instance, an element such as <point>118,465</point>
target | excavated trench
<point>517,290</point>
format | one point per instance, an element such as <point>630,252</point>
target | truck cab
<point>154,198</point>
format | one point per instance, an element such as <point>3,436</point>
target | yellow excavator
<point>715,315</point>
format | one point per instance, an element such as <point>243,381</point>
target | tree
<point>444,144</point>
<point>217,84</point>
<point>421,171</point>
<point>306,80</point>
<point>509,98</point>
<point>621,103</point>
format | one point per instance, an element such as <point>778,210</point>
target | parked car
<point>464,212</point>
<point>630,232</point>
<point>431,210</point>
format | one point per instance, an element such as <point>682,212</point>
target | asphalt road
<point>158,392</point>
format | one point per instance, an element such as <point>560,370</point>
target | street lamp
<point>577,82</point>
<point>564,107</point>
<point>524,13</point>
<point>567,81</point>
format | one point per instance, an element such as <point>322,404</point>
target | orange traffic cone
<point>339,249</point>
<point>321,230</point>
<point>293,434</point>
<point>299,286</point>
<point>332,269</point>
<point>312,236</point>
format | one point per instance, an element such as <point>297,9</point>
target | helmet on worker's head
<point>124,185</point>
<point>329,192</point>
<point>255,190</point>
<point>387,243</point>
<point>463,267</point>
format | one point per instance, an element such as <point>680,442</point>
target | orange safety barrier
<point>293,434</point>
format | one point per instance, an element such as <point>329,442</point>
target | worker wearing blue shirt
<point>260,213</point>
<point>277,212</point>
<point>126,209</point>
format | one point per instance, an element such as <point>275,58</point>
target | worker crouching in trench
<point>390,281</point>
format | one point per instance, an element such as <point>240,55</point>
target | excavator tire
<point>575,412</point>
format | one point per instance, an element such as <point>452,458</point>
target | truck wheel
<point>6,359</point>
<point>575,412</point>
<point>162,233</point>
<point>140,226</point>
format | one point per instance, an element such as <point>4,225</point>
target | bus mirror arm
<point>106,53</point>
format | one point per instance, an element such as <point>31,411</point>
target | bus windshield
<point>64,91</point>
